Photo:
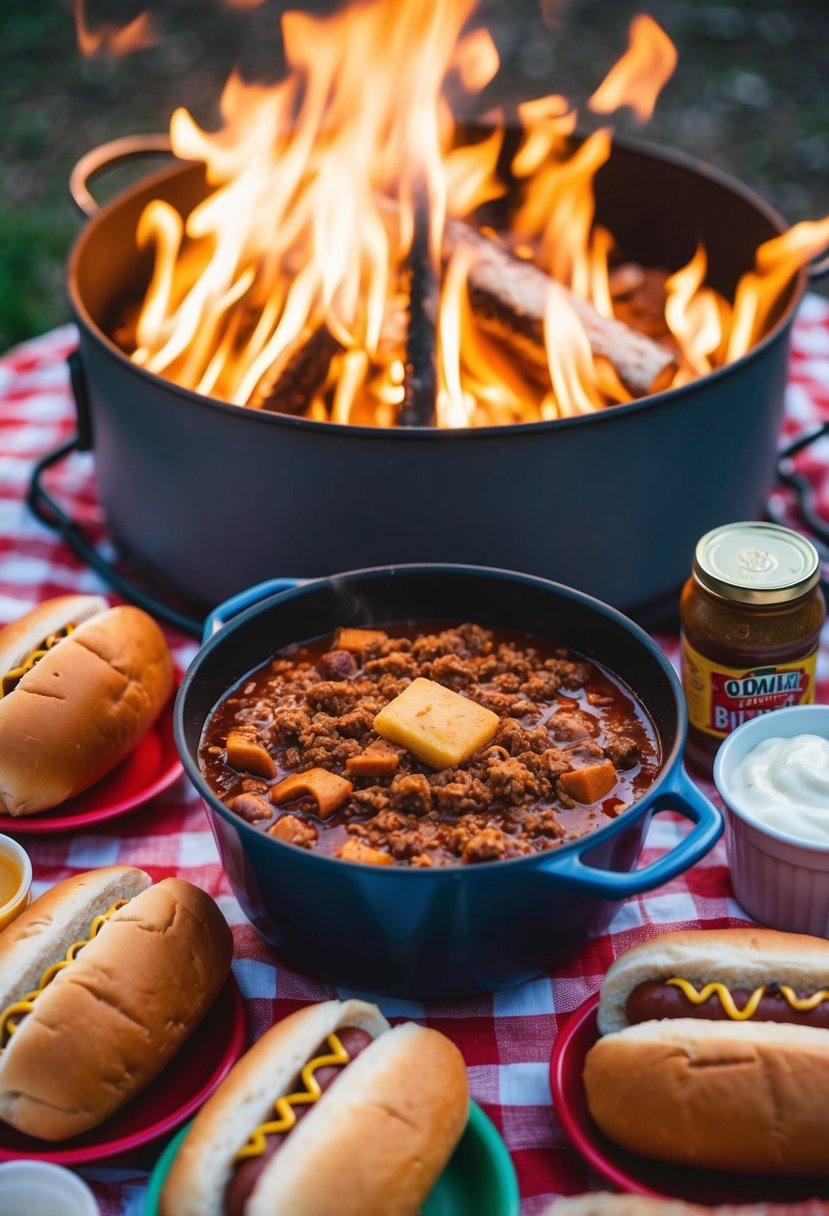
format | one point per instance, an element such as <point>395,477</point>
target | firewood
<point>420,363</point>
<point>290,383</point>
<point>509,298</point>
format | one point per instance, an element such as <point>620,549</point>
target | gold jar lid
<point>756,563</point>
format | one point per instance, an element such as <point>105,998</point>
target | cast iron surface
<point>613,503</point>
<point>444,933</point>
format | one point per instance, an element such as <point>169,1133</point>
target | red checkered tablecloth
<point>506,1038</point>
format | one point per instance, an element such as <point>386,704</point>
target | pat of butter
<point>438,726</point>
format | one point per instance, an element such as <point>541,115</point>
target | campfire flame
<point>640,75</point>
<point>113,40</point>
<point>332,248</point>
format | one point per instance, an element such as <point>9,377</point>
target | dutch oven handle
<point>109,154</point>
<point>682,796</point>
<point>230,608</point>
<point>797,482</point>
<point>45,507</point>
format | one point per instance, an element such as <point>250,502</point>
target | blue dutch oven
<point>443,933</point>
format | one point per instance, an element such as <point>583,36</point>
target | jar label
<point>720,698</point>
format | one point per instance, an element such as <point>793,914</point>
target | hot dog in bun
<point>715,1051</point>
<point>101,981</point>
<point>330,1111</point>
<point>80,683</point>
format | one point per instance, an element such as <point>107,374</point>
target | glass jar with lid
<point>751,615</point>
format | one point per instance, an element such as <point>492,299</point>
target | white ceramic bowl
<point>15,862</point>
<point>780,880</point>
<point>37,1187</point>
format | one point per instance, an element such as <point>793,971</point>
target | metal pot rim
<point>437,434</point>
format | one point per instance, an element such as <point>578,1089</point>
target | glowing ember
<point>330,270</point>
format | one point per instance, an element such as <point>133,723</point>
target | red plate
<point>640,1175</point>
<point>193,1074</point>
<point>148,770</point>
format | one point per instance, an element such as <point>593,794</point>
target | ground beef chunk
<point>388,687</point>
<point>395,665</point>
<point>622,751</point>
<point>370,801</point>
<point>337,697</point>
<point>544,823</point>
<point>553,762</point>
<point>324,747</point>
<point>467,641</point>
<point>511,782</point>
<point>389,821</point>
<point>516,738</point>
<point>572,674</point>
<point>289,724</point>
<point>356,723</point>
<point>412,793</point>
<point>451,671</point>
<point>460,792</point>
<point>507,681</point>
<point>486,845</point>
<point>511,704</point>
<point>336,665</point>
<point>542,686</point>
<point>403,845</point>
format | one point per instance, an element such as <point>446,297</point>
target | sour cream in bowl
<point>773,776</point>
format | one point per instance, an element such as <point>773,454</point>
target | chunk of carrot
<point>380,759</point>
<point>246,755</point>
<point>591,783</point>
<point>355,640</point>
<point>355,850</point>
<point>327,789</point>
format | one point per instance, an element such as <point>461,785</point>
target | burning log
<point>290,383</point>
<point>509,297</point>
<point>420,379</point>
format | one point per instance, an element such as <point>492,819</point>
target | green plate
<point>478,1181</point>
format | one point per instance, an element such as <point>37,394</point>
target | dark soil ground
<point>750,95</point>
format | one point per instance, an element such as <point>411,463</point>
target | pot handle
<point>109,154</point>
<point>682,796</point>
<point>230,608</point>
<point>805,498</point>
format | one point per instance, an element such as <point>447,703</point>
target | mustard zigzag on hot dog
<point>26,1003</point>
<point>373,1144</point>
<point>787,966</point>
<point>284,1106</point>
<point>102,979</point>
<point>699,1063</point>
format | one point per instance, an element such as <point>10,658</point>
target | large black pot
<point>612,503</point>
<point>444,933</point>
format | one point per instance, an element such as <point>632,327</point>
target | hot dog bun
<point>107,1023</point>
<point>373,1145</point>
<point>84,705</point>
<point>740,958</point>
<point>743,1095</point>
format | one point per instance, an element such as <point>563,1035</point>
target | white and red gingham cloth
<point>507,1038</point>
